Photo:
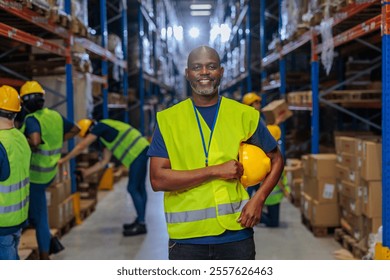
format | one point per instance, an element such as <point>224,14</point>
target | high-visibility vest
<point>127,145</point>
<point>277,194</point>
<point>14,191</point>
<point>45,158</point>
<point>213,206</point>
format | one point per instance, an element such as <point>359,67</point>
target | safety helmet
<point>256,164</point>
<point>275,131</point>
<point>9,99</point>
<point>31,87</point>
<point>84,125</point>
<point>250,97</point>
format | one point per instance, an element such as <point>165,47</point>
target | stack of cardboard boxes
<point>88,187</point>
<point>294,174</point>
<point>319,196</point>
<point>59,199</point>
<point>358,173</point>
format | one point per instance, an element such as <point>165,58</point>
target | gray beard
<point>205,92</point>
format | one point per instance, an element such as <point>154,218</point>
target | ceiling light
<point>200,6</point>
<point>200,13</point>
<point>194,32</point>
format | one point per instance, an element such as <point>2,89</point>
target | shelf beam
<point>17,9</point>
<point>26,38</point>
<point>100,51</point>
<point>358,31</point>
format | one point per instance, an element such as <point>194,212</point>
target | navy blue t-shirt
<point>261,138</point>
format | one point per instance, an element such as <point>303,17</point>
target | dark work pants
<point>271,217</point>
<point>239,250</point>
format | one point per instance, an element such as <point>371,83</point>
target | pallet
<point>348,96</point>
<point>28,246</point>
<point>318,231</point>
<point>87,207</point>
<point>349,243</point>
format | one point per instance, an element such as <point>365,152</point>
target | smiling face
<point>204,71</point>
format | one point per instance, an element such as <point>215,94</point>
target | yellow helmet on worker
<point>31,87</point>
<point>84,125</point>
<point>255,162</point>
<point>9,99</point>
<point>275,131</point>
<point>250,97</point>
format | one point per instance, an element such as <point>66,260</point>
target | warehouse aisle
<point>99,237</point>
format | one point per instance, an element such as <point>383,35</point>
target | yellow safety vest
<point>45,158</point>
<point>14,191</point>
<point>214,206</point>
<point>128,144</point>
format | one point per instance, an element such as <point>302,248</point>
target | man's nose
<point>204,71</point>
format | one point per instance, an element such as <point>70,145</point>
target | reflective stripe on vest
<point>15,190</point>
<point>128,144</point>
<point>48,153</point>
<point>197,215</point>
<point>15,207</point>
<point>14,187</point>
<point>42,169</point>
<point>213,207</point>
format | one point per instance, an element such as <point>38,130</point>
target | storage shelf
<point>17,9</point>
<point>23,37</point>
<point>100,51</point>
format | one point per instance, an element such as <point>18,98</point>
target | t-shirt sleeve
<point>32,125</point>
<point>157,148</point>
<point>68,125</point>
<point>4,164</point>
<point>263,138</point>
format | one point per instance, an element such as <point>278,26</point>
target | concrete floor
<point>99,237</point>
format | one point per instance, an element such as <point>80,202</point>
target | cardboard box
<point>371,161</point>
<point>306,164</point>
<point>347,145</point>
<point>325,214</point>
<point>352,205</point>
<point>297,188</point>
<point>372,198</point>
<point>322,190</point>
<point>354,224</point>
<point>306,205</point>
<point>323,165</point>
<point>57,193</point>
<point>371,225</point>
<point>350,161</point>
<point>277,109</point>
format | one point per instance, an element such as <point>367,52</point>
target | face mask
<point>33,105</point>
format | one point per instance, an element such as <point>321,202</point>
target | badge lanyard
<point>206,151</point>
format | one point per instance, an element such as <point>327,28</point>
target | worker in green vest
<point>269,217</point>
<point>15,157</point>
<point>127,145</point>
<point>46,130</point>
<point>194,161</point>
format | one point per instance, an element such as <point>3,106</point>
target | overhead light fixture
<point>194,32</point>
<point>200,13</point>
<point>200,6</point>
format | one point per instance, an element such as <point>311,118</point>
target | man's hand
<point>229,170</point>
<point>250,214</point>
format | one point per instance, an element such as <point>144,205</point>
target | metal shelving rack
<point>22,24</point>
<point>365,27</point>
<point>240,31</point>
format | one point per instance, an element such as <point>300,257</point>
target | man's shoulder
<point>174,108</point>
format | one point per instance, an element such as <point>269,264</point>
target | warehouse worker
<point>15,157</point>
<point>270,217</point>
<point>129,147</point>
<point>46,130</point>
<point>194,154</point>
<point>254,100</point>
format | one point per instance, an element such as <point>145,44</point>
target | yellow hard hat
<point>84,125</point>
<point>250,97</point>
<point>30,87</point>
<point>256,164</point>
<point>275,131</point>
<point>9,99</point>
